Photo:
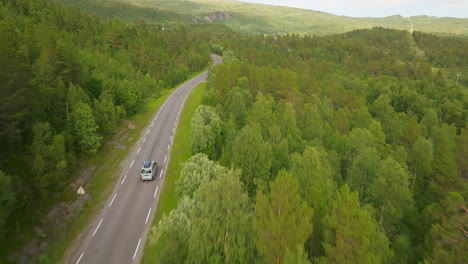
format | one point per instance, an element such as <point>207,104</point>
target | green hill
<point>125,11</point>
<point>258,18</point>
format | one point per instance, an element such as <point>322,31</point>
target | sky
<point>378,8</point>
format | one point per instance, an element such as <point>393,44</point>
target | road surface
<point>119,233</point>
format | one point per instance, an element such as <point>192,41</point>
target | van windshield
<point>143,171</point>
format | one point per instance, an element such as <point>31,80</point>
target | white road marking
<point>175,123</point>
<point>160,174</point>
<point>165,159</point>
<point>168,146</point>
<point>139,150</point>
<point>132,163</point>
<point>173,129</point>
<point>149,130</point>
<point>152,124</point>
<point>136,250</point>
<point>124,179</point>
<point>79,259</point>
<point>147,217</point>
<point>98,227</point>
<point>156,191</point>
<point>144,140</point>
<point>112,200</point>
<point>171,138</point>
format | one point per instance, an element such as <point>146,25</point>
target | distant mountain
<point>258,18</point>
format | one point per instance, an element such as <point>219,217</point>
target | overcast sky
<point>379,8</point>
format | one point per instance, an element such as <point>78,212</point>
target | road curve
<point>118,234</point>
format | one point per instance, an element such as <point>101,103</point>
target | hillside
<point>124,11</point>
<point>258,18</point>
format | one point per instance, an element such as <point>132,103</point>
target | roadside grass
<point>180,152</point>
<point>104,169</point>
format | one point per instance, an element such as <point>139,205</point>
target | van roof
<point>147,164</point>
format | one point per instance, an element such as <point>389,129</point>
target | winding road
<point>119,233</point>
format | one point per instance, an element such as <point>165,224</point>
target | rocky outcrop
<point>212,18</point>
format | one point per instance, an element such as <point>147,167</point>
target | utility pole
<point>458,76</point>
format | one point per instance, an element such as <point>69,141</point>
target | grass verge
<point>180,152</point>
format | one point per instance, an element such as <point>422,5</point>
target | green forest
<point>67,80</point>
<point>337,149</point>
<point>347,148</point>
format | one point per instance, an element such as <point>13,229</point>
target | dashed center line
<point>98,226</point>
<point>112,200</point>
<point>79,259</point>
<point>156,191</point>
<point>124,179</point>
<point>147,217</point>
<point>136,250</point>
<point>132,163</point>
<point>138,150</point>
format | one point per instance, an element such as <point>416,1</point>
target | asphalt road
<point>119,233</point>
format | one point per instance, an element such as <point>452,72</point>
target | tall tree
<point>352,235</point>
<point>420,159</point>
<point>205,132</point>
<point>391,195</point>
<point>49,158</point>
<point>171,235</point>
<point>282,219</point>
<point>197,171</point>
<point>446,240</point>
<point>252,155</point>
<point>316,187</point>
<point>83,129</point>
<point>221,223</point>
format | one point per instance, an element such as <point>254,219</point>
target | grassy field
<point>258,18</point>
<point>180,152</point>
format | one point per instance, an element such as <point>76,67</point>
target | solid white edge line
<point>156,191</point>
<point>98,227</point>
<point>112,200</point>
<point>139,150</point>
<point>79,259</point>
<point>124,179</point>
<point>160,174</point>
<point>147,217</point>
<point>136,250</point>
<point>165,159</point>
<point>132,163</point>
